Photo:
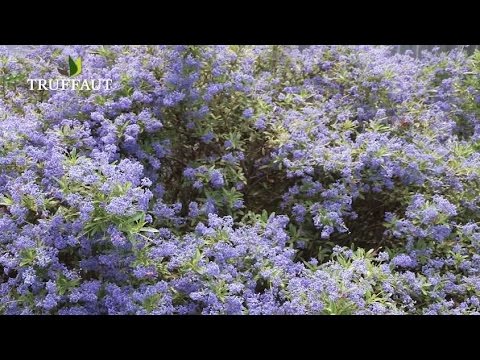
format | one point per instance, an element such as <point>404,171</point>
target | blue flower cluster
<point>241,180</point>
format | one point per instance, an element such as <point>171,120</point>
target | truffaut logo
<point>71,69</point>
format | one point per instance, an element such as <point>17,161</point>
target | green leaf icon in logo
<point>75,66</point>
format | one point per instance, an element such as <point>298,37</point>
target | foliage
<point>241,180</point>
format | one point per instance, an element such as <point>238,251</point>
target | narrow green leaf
<point>149,229</point>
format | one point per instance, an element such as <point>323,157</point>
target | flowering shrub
<point>241,180</point>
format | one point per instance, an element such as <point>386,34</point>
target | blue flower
<point>216,179</point>
<point>248,113</point>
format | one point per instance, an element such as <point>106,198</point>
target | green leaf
<point>75,66</point>
<point>151,303</point>
<point>28,256</point>
<point>149,229</point>
<point>140,215</point>
<point>64,285</point>
<point>5,201</point>
<point>29,202</point>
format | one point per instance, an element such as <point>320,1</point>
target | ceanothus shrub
<point>241,180</point>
